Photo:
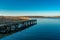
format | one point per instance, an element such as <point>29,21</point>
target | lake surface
<point>46,29</point>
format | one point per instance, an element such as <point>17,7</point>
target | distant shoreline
<point>22,17</point>
<point>43,16</point>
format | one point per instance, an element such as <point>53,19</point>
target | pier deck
<point>12,27</point>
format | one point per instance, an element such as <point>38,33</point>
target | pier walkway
<point>12,27</point>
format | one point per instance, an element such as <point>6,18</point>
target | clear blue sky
<point>6,6</point>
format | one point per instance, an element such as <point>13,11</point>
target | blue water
<point>46,29</point>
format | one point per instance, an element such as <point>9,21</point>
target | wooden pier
<point>12,27</point>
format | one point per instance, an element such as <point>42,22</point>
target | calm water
<point>46,29</point>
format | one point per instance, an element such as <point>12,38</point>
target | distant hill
<point>17,18</point>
